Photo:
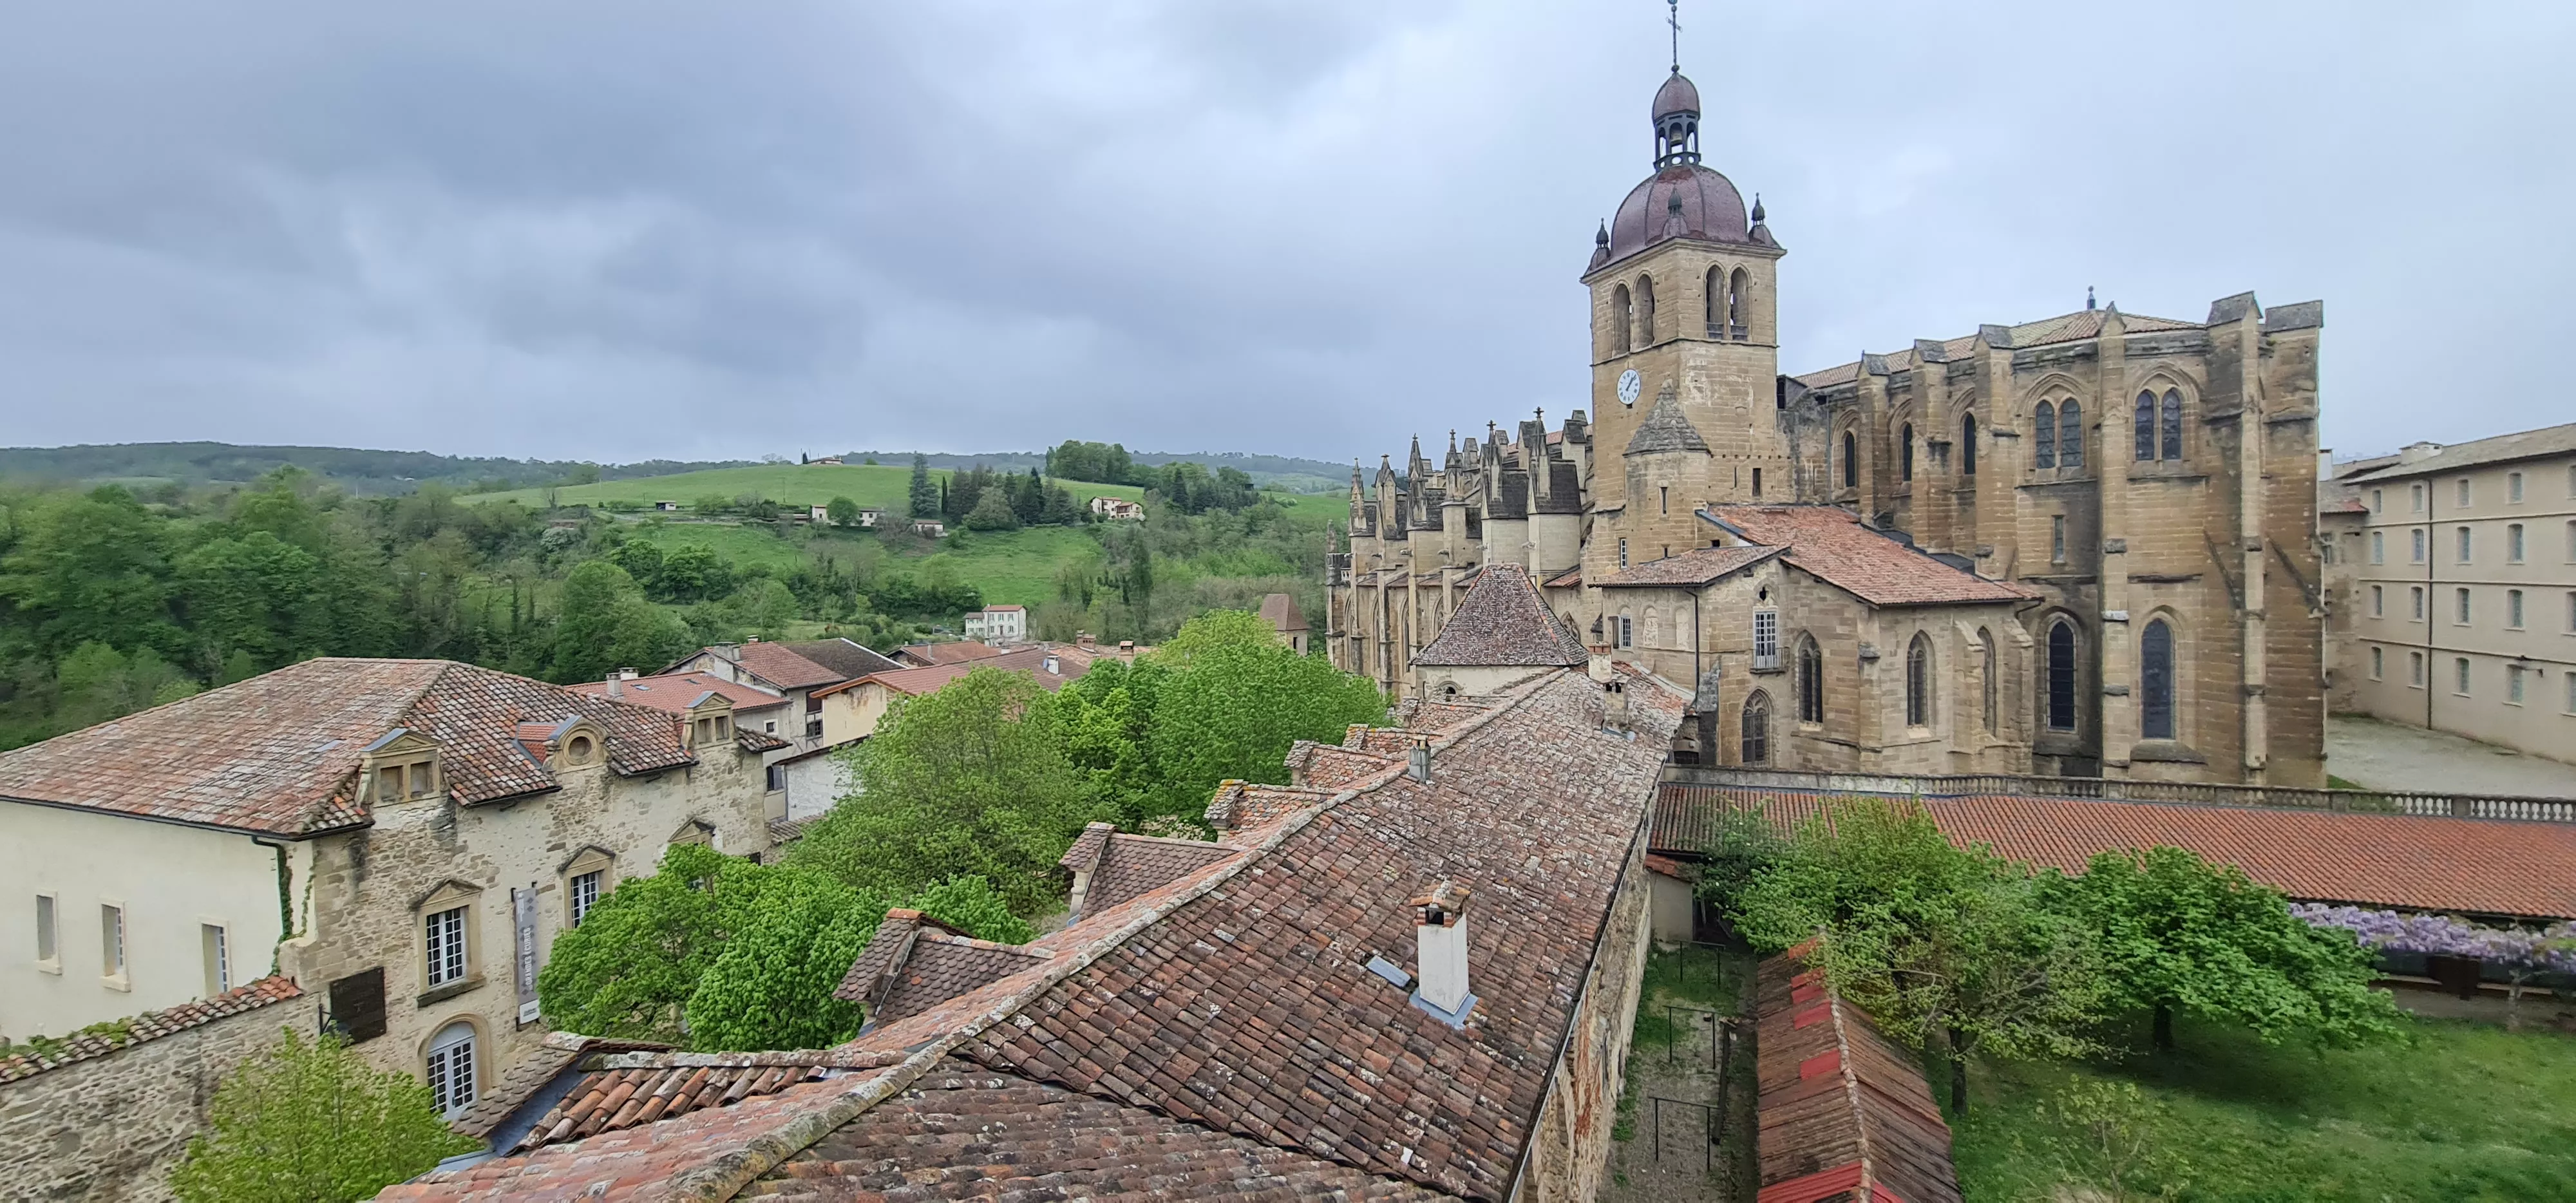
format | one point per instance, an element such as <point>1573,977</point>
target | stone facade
<point>1571,1147</point>
<point>106,1128</point>
<point>2179,496</point>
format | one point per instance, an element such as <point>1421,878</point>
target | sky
<point>618,231</point>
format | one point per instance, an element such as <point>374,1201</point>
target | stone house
<point>1117,509</point>
<point>2451,578</point>
<point>851,710</point>
<point>802,777</point>
<point>2141,488</point>
<point>402,839</point>
<point>998,625</point>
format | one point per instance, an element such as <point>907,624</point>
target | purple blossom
<point>2551,948</point>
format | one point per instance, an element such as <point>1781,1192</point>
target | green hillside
<point>878,485</point>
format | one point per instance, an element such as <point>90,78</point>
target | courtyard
<point>2373,754</point>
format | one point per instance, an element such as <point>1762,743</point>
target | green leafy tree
<point>843,511</point>
<point>251,595</point>
<point>629,969</point>
<point>992,511</point>
<point>98,683</point>
<point>1943,946</point>
<point>2179,934</point>
<point>765,606</point>
<point>1236,700</point>
<point>605,624</point>
<point>712,505</point>
<point>788,945</point>
<point>312,1122</point>
<point>970,780</point>
<point>90,568</point>
<point>973,906</point>
<point>923,497</point>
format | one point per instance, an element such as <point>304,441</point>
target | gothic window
<point>1739,296</point>
<point>2043,431</point>
<point>2155,682</point>
<point>1986,671</point>
<point>2146,427</point>
<point>1811,681</point>
<point>2070,434</point>
<point>1757,728</point>
<point>1619,320</point>
<point>1905,453</point>
<point>2173,424</point>
<point>1968,445</point>
<point>1645,311</point>
<point>1851,461</point>
<point>1918,682</point>
<point>2061,675</point>
<point>1719,303</point>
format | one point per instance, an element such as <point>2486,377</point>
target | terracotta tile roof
<point>635,1090</point>
<point>955,651</point>
<point>560,1051</point>
<point>2349,505</point>
<point>783,832</point>
<point>1416,714</point>
<point>1829,543</point>
<point>151,1026</point>
<point>1241,807</point>
<point>2406,862</point>
<point>2525,444</point>
<point>1325,766</point>
<point>913,964</point>
<point>1381,741</point>
<point>758,741</point>
<point>1132,866</point>
<point>1571,578</point>
<point>1070,665</point>
<point>279,753</point>
<point>2072,327</point>
<point>846,659</point>
<point>1698,566</point>
<point>1281,612</point>
<point>1843,1112</point>
<point>675,693</point>
<point>963,1131</point>
<point>780,665</point>
<point>1502,622</point>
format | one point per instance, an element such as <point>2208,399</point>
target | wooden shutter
<point>358,1005</point>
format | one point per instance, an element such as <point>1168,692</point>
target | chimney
<point>1440,953</point>
<point>1600,667</point>
<point>1052,669</point>
<point>1084,639</point>
<point>617,683</point>
<point>1417,760</point>
<point>2415,452</point>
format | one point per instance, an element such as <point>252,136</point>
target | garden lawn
<point>2468,1112</point>
<point>740,545</point>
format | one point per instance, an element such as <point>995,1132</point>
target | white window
<point>2419,544</point>
<point>2513,543</point>
<point>2415,669</point>
<point>2378,547</point>
<point>2415,594</point>
<point>2464,492</point>
<point>444,934</point>
<point>2571,693</point>
<point>49,948</point>
<point>1627,631</point>
<point>2378,663</point>
<point>584,894</point>
<point>219,967</point>
<point>1766,638</point>
<point>2378,600</point>
<point>2513,685</point>
<point>111,941</point>
<point>2513,608</point>
<point>2415,493</point>
<point>2460,673</point>
<point>2513,487</point>
<point>2571,612</point>
<point>2378,500</point>
<point>2464,544</point>
<point>2461,606</point>
<point>451,1068</point>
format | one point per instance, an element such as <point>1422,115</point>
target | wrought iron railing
<point>2394,802</point>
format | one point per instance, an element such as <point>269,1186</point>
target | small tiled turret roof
<point>1502,622</point>
<point>1665,429</point>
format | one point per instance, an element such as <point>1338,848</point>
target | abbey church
<point>2081,546</point>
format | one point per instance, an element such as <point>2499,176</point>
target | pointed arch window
<point>2173,424</point>
<point>1757,728</point>
<point>1986,674</point>
<point>2156,681</point>
<point>2070,434</point>
<point>1720,303</point>
<point>1905,453</point>
<point>2146,427</point>
<point>1739,298</point>
<point>1811,681</point>
<point>1968,445</point>
<point>1619,320</point>
<point>2061,675</point>
<point>2043,430</point>
<point>1851,461</point>
<point>1645,311</point>
<point>1918,682</point>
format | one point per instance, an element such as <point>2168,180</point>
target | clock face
<point>1629,386</point>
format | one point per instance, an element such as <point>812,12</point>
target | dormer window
<point>401,767</point>
<point>581,748</point>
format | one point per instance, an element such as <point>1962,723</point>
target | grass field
<point>2464,1112</point>
<point>1011,567</point>
<point>881,486</point>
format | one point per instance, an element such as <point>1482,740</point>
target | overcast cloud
<point>624,230</point>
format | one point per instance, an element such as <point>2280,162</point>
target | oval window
<point>578,749</point>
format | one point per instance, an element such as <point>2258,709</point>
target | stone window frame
<point>2178,678</point>
<point>478,1058</point>
<point>407,756</point>
<point>2514,547</point>
<point>2379,601</point>
<point>1920,713</point>
<point>1809,658</point>
<point>2513,613</point>
<point>2463,607</point>
<point>2513,687</point>
<point>2049,668</point>
<point>696,831</point>
<point>708,724</point>
<point>450,895</point>
<point>1990,668</point>
<point>1645,308</point>
<point>2415,669</point>
<point>2513,488</point>
<point>2378,547</point>
<point>1753,738</point>
<point>1622,321</point>
<point>590,859</point>
<point>2463,675</point>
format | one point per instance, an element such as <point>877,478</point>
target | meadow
<point>880,486</point>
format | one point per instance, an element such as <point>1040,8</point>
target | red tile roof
<point>1841,1108</point>
<point>1325,766</point>
<point>1829,543</point>
<point>677,692</point>
<point>1698,566</point>
<point>2406,862</point>
<point>1502,622</point>
<point>151,1026</point>
<point>843,657</point>
<point>1070,664</point>
<point>279,753</point>
<point>955,651</point>
<point>780,665</point>
<point>1281,612</point>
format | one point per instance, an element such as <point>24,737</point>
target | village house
<point>803,778</point>
<point>400,839</point>
<point>1117,509</point>
<point>852,709</point>
<point>1000,625</point>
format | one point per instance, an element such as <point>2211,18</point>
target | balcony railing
<point>2458,806</point>
<point>1766,661</point>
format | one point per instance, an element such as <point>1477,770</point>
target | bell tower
<point>1685,351</point>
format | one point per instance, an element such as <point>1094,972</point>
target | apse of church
<point>2082,545</point>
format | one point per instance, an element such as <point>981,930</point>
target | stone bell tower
<point>1685,352</point>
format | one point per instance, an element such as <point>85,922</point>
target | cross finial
<point>1675,20</point>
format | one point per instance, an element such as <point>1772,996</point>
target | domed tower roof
<point>1678,95</point>
<point>1683,199</point>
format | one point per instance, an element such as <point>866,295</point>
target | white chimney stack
<point>1417,761</point>
<point>1440,953</point>
<point>617,684</point>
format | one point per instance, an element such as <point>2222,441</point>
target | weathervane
<point>1675,20</point>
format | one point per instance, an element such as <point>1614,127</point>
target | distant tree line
<point>1180,485</point>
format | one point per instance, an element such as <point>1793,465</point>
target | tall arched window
<point>1717,302</point>
<point>2173,424</point>
<point>2061,675</point>
<point>451,1068</point>
<point>1918,682</point>
<point>2043,434</point>
<point>1619,320</point>
<point>2155,682</point>
<point>2070,434</point>
<point>1851,461</point>
<point>1905,453</point>
<point>1968,445</point>
<point>1645,311</point>
<point>1811,681</point>
<point>1739,302</point>
<point>2146,427</point>
<point>1757,728</point>
<point>1986,673</point>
